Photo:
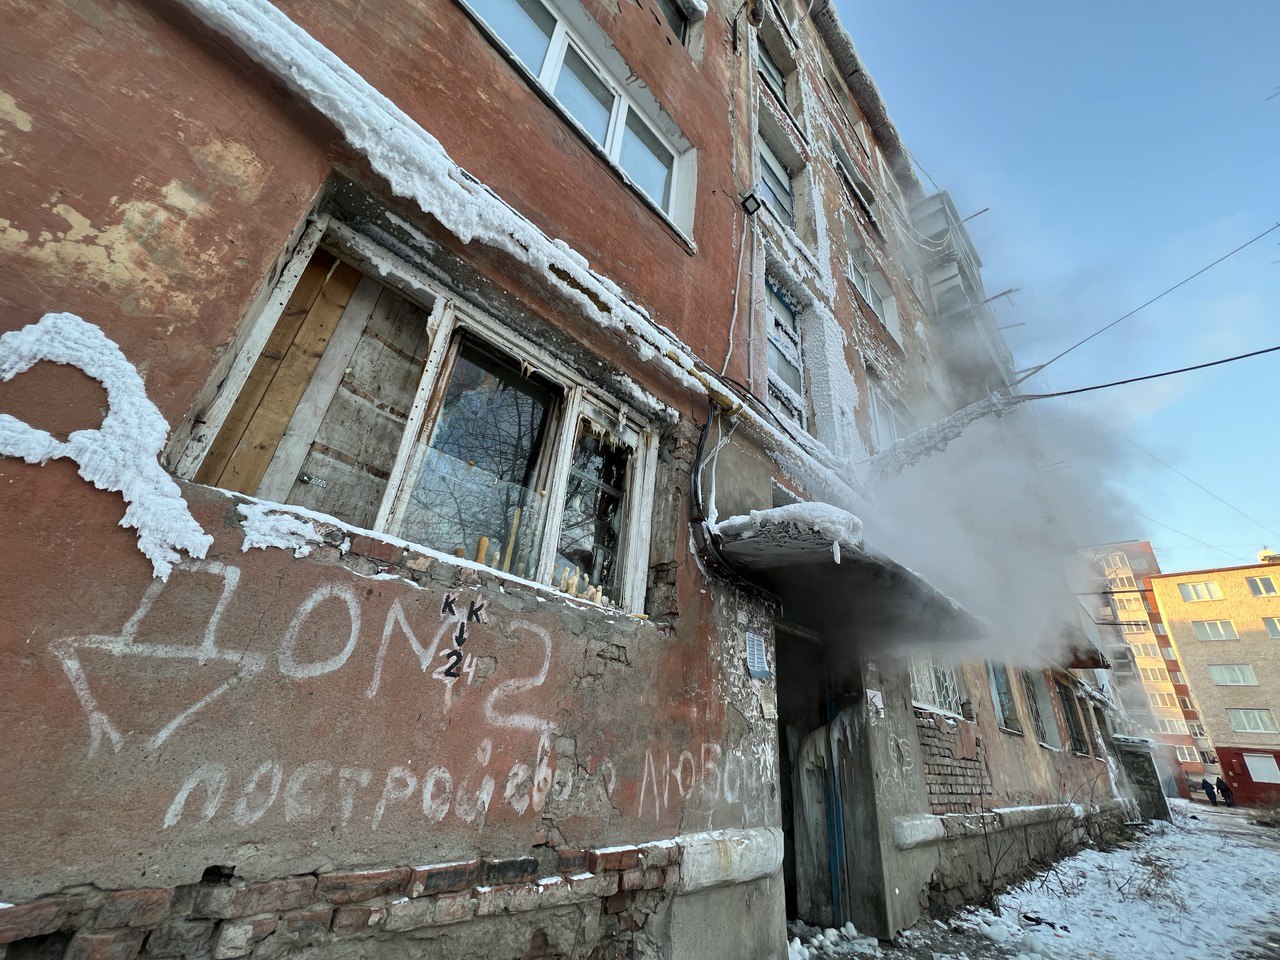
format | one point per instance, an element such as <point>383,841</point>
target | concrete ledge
<point>921,831</point>
<point>722,857</point>
<point>928,829</point>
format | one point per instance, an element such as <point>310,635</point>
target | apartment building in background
<point>1225,625</point>
<point>1156,690</point>
<point>429,485</point>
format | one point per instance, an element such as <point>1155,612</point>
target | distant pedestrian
<point>1209,792</point>
<point>1225,793</point>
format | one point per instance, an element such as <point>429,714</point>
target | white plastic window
<point>1273,627</point>
<point>1252,720</point>
<point>1262,586</point>
<point>1204,590</point>
<point>1232,675</point>
<point>561,62</point>
<point>1215,630</point>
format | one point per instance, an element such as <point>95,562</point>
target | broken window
<point>402,415</point>
<point>1002,695</point>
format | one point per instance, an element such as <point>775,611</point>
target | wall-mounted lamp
<point>751,203</point>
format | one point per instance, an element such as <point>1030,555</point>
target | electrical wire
<point>1233,556</point>
<point>1080,343</point>
<point>1189,480</point>
<point>1150,376</point>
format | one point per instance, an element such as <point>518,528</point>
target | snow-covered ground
<point>1207,885</point>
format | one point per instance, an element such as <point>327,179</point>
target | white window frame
<point>885,417</point>
<point>1212,626</point>
<point>1124,582</point>
<point>1233,675</point>
<point>1200,591</point>
<point>448,317</point>
<point>1261,586</point>
<point>1272,625</point>
<point>1252,720</point>
<point>1187,754</point>
<point>678,210</point>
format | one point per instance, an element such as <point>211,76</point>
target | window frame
<point>768,159</point>
<point>1188,591</point>
<point>1234,713</point>
<point>1238,670</point>
<point>1272,626</point>
<point>784,337</point>
<point>942,681</point>
<point>1257,589</point>
<point>679,207</point>
<point>1196,624</point>
<point>449,317</point>
<point>1006,704</point>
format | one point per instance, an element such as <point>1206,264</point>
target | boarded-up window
<point>405,416</point>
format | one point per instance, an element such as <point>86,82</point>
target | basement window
<point>422,418</point>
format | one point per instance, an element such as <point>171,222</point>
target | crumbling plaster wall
<point>155,177</point>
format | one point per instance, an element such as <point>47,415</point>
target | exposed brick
<point>406,914</point>
<point>658,854</point>
<point>359,885</point>
<point>618,902</point>
<point>306,925</point>
<point>513,870</point>
<point>419,562</point>
<point>181,938</point>
<point>237,937</point>
<point>492,900</point>
<point>571,861</point>
<point>133,908</point>
<point>356,919</point>
<point>633,879</point>
<point>116,945</point>
<point>595,884</point>
<point>248,899</point>
<point>31,919</point>
<point>455,908</point>
<point>653,878</point>
<point>627,923</point>
<point>378,550</point>
<point>613,858</point>
<point>445,878</point>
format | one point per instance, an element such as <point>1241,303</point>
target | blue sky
<point>1120,147</point>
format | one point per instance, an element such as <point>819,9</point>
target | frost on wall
<point>268,526</point>
<point>122,454</point>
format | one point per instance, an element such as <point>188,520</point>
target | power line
<point>1233,556</point>
<point>1034,370</point>
<point>1149,376</point>
<point>1194,483</point>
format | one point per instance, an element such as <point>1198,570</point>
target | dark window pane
<point>676,17</point>
<point>591,532</point>
<point>647,162</point>
<point>584,95</point>
<point>1004,698</point>
<point>474,492</point>
<point>524,25</point>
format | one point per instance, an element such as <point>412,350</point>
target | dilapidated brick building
<point>428,533</point>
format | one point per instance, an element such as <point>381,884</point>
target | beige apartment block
<point>1225,626</point>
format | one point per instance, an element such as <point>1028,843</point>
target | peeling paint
<point>12,114</point>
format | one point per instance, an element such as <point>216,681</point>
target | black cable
<point>1149,376</point>
<point>1034,370</point>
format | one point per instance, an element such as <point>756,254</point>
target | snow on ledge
<point>839,526</point>
<point>121,455</point>
<point>266,525</point>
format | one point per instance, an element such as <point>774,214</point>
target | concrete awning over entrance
<point>813,558</point>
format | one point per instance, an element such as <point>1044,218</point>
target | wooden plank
<point>365,423</point>
<point>239,396</point>
<point>310,411</point>
<point>248,462</point>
